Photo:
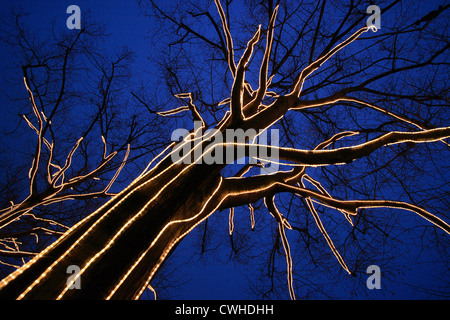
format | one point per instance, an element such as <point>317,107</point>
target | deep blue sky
<point>126,24</point>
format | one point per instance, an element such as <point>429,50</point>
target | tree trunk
<point>120,246</point>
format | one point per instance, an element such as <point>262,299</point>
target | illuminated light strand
<point>318,152</point>
<point>17,211</point>
<point>216,2</point>
<point>394,137</point>
<point>280,163</point>
<point>230,194</point>
<point>382,110</point>
<point>43,275</point>
<point>252,215</point>
<point>240,174</point>
<point>270,204</point>
<point>236,100</point>
<point>48,200</point>
<point>75,180</point>
<point>324,232</point>
<point>129,222</point>
<point>191,106</point>
<point>9,264</point>
<point>369,204</point>
<point>237,90</point>
<point>32,175</point>
<point>118,170</point>
<point>13,275</point>
<point>37,131</point>
<point>17,248</point>
<point>352,206</point>
<point>371,106</point>
<point>7,247</point>
<point>55,197</point>
<point>53,222</point>
<point>276,214</point>
<point>189,139</point>
<point>316,64</point>
<point>319,186</point>
<point>153,290</point>
<point>209,148</point>
<point>19,271</point>
<point>154,159</point>
<point>227,29</point>
<point>121,230</point>
<point>231,221</point>
<point>228,38</point>
<point>35,165</point>
<point>287,251</point>
<point>122,280</point>
<point>173,111</point>
<point>334,138</point>
<point>60,174</point>
<point>166,252</point>
<point>8,208</point>
<point>406,206</point>
<point>52,179</point>
<point>224,101</point>
<point>17,251</point>
<point>263,82</point>
<point>85,234</point>
<point>104,147</point>
<point>49,164</point>
<point>243,170</point>
<point>392,114</point>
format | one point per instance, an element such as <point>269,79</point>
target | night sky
<point>211,276</point>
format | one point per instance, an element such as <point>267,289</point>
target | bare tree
<point>303,65</point>
<point>71,161</point>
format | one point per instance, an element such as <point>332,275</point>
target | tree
<point>306,70</point>
<point>80,140</point>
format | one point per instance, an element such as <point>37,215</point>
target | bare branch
<point>173,111</point>
<point>195,113</point>
<point>118,170</point>
<point>338,98</point>
<point>16,254</point>
<point>298,83</point>
<point>37,156</point>
<point>282,223</point>
<point>67,164</point>
<point>324,232</point>
<point>231,221</point>
<point>348,154</point>
<point>352,206</point>
<point>252,106</point>
<point>237,91</point>
<point>229,40</point>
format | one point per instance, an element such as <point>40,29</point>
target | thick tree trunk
<point>120,246</point>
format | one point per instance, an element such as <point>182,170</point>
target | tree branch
<point>282,223</point>
<point>346,154</point>
<point>229,40</point>
<point>237,91</point>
